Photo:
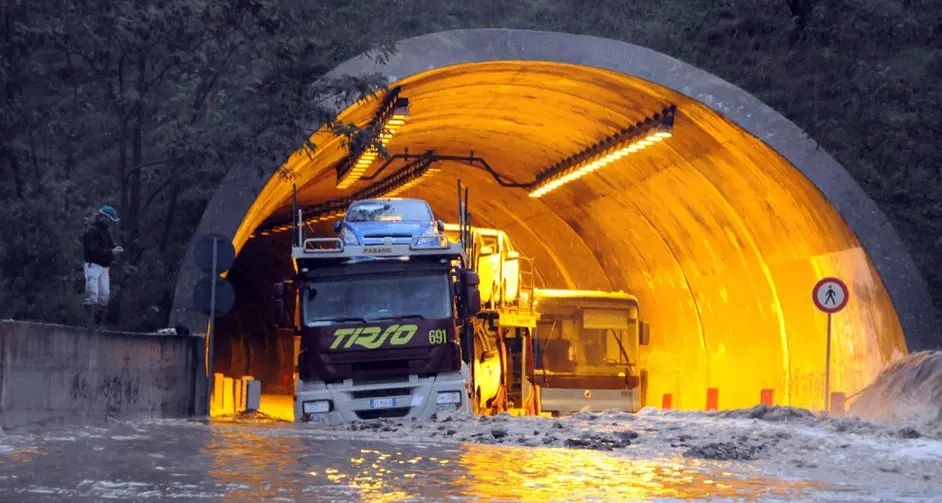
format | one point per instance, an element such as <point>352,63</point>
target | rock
<point>598,442</point>
<point>549,440</point>
<point>725,451</point>
<point>450,432</point>
<point>498,433</point>
<point>557,425</point>
<point>909,433</point>
<point>769,413</point>
<point>629,435</point>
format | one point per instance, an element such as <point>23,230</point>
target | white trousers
<point>97,285</point>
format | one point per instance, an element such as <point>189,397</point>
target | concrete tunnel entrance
<point>720,230</point>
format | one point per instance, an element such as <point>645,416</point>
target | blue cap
<point>109,212</point>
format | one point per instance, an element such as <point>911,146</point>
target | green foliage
<point>146,106</point>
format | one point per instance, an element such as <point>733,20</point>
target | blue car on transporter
<point>372,222</point>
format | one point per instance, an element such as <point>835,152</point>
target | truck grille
<point>382,413</point>
<point>382,392</point>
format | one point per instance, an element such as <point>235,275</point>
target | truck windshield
<point>389,211</point>
<point>377,297</point>
<point>563,346</point>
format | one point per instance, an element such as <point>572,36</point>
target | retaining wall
<point>61,374</point>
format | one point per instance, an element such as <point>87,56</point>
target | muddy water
<point>189,461</point>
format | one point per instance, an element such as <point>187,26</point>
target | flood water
<point>193,461</point>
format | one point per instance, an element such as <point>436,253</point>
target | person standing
<point>99,250</point>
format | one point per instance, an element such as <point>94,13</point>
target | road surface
<point>473,459</point>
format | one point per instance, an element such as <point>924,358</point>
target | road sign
<point>203,296</point>
<point>203,253</point>
<point>830,295</point>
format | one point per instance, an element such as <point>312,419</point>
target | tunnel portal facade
<point>721,230</point>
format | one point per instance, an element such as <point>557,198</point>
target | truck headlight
<point>316,407</point>
<point>445,397</point>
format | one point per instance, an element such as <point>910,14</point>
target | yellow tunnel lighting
<point>614,148</point>
<point>428,173</point>
<point>391,118</point>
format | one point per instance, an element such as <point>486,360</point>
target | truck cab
<point>382,329</point>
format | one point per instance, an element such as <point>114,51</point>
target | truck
<point>385,331</point>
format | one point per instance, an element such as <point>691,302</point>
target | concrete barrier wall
<point>60,374</point>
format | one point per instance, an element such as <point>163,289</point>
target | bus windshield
<point>371,297</point>
<point>577,345</point>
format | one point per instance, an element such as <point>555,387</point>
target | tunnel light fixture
<point>392,115</point>
<point>644,134</point>
<point>408,176</point>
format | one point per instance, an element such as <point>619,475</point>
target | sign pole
<point>212,327</point>
<point>827,371</point>
<point>830,296</point>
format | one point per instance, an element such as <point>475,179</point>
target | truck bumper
<point>570,401</point>
<point>409,397</point>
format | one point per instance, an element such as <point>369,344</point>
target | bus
<point>586,352</point>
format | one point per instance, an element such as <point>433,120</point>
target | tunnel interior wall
<point>246,342</point>
<point>57,374</point>
<point>721,232</point>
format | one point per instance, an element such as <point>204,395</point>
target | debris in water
<point>725,451</point>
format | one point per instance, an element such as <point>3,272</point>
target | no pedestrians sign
<point>830,295</point>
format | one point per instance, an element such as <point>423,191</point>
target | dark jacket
<point>98,244</point>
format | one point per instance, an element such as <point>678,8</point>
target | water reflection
<point>253,464</point>
<point>548,474</point>
<point>495,473</point>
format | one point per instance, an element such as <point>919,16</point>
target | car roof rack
<point>334,248</point>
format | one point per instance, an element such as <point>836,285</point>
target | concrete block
<point>253,395</point>
<point>228,396</point>
<point>218,390</point>
<point>241,392</point>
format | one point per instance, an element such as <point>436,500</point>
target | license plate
<point>382,403</point>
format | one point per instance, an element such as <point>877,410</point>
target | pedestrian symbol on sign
<point>830,296</point>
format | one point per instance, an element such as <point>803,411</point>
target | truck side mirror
<point>338,225</point>
<point>441,226</point>
<point>644,334</point>
<point>470,294</point>
<point>513,255</point>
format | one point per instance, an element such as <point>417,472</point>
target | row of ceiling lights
<point>626,142</point>
<point>391,116</point>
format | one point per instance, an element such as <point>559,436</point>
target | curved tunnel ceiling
<point>717,233</point>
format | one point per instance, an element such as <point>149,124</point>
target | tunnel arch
<point>600,85</point>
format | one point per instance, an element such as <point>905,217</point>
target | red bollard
<point>713,398</point>
<point>767,397</point>
<point>666,401</point>
<point>838,400</point>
